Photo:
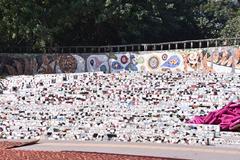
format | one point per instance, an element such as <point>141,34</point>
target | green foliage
<point>41,23</point>
<point>212,16</point>
<point>232,27</point>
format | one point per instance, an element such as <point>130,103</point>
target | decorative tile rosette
<point>153,62</point>
<point>67,63</point>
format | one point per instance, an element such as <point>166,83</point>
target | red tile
<point>10,154</point>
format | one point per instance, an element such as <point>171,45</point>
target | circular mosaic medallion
<point>67,64</point>
<point>164,57</point>
<point>124,59</point>
<point>153,62</point>
<point>140,60</point>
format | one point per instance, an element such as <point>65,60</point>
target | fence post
<point>145,47</point>
<point>154,47</point>
<point>235,42</point>
<point>207,44</point>
<point>233,61</point>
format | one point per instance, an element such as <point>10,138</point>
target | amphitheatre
<point>174,100</point>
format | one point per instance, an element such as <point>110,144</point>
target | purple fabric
<point>198,119</point>
<point>228,117</point>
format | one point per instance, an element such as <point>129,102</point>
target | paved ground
<point>139,149</point>
<point>8,153</point>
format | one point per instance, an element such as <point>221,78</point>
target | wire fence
<point>189,44</point>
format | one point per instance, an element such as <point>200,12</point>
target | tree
<point>232,27</point>
<point>106,22</point>
<point>212,16</point>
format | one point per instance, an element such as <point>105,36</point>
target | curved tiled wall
<point>217,59</point>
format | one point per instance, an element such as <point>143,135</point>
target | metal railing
<point>189,44</point>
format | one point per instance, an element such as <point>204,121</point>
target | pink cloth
<point>228,117</point>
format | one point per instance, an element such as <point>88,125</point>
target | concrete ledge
<point>141,149</point>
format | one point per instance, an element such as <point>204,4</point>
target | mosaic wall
<point>16,64</point>
<point>237,61</point>
<point>123,61</point>
<point>96,63</point>
<point>220,59</point>
<point>160,62</point>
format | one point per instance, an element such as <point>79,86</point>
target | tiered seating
<point>128,107</point>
